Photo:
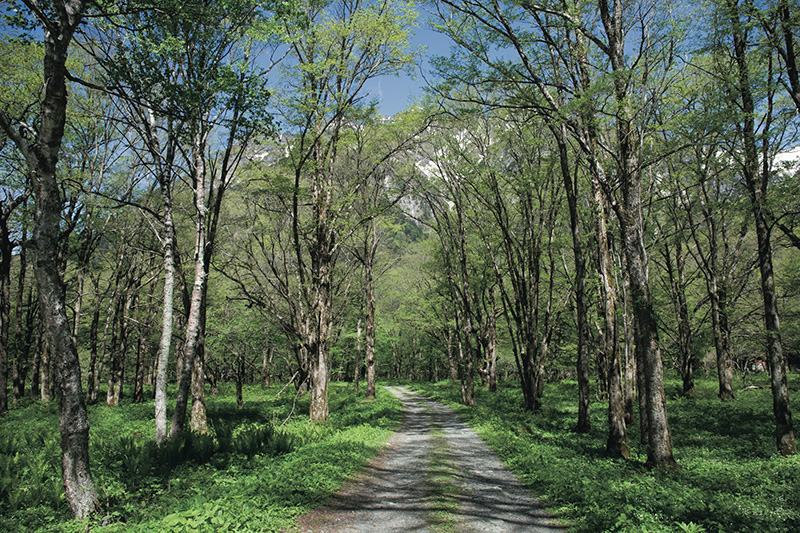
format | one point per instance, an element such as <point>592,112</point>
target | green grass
<point>730,478</point>
<point>249,474</point>
<point>441,484</point>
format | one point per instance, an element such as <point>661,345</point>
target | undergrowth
<point>730,477</point>
<point>250,473</point>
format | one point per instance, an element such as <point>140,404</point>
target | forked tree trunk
<point>194,320</point>
<point>617,442</point>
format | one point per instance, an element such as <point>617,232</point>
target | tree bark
<point>719,316</point>
<point>757,187</point>
<point>194,320</point>
<point>239,380</point>
<point>37,360</point>
<point>138,384</point>
<point>582,364</point>
<point>677,277</point>
<point>266,365</point>
<point>631,367</point>
<point>659,445</point>
<point>369,297</point>
<point>19,366</point>
<point>357,362</point>
<point>6,249</point>
<point>42,159</point>
<point>452,360</point>
<point>45,363</point>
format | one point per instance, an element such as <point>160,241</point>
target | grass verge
<point>731,478</point>
<point>249,474</point>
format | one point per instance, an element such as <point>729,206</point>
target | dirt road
<point>435,475</point>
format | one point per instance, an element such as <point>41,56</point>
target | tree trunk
<point>194,320</point>
<point>617,443</point>
<point>369,297</point>
<point>318,410</point>
<point>467,371</point>
<point>23,344</point>
<point>138,385</point>
<point>582,363</point>
<point>631,373</point>
<point>6,248</point>
<point>684,326</point>
<point>167,310</point>
<point>719,313</point>
<point>38,348</point>
<point>198,419</point>
<point>659,445</point>
<point>188,360</point>
<point>357,362</point>
<point>452,360</point>
<point>116,357</point>
<point>266,365</point>
<point>757,187</point>
<point>42,159</point>
<point>491,342</point>
<point>45,364</point>
<point>239,380</point>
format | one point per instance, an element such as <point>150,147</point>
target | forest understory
<point>585,214</point>
<point>253,474</point>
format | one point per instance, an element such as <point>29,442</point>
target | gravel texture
<point>393,492</point>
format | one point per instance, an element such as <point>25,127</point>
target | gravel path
<point>394,493</point>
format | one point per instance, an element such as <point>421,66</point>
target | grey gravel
<point>391,494</point>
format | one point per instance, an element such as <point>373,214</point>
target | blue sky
<point>397,93</point>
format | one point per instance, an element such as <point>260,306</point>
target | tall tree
<point>189,77</point>
<point>521,30</point>
<point>345,44</point>
<point>40,145</point>
<point>755,169</point>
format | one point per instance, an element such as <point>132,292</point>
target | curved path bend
<point>435,475</point>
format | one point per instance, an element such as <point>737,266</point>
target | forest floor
<point>435,475</point>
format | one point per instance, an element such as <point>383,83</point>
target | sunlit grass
<point>731,477</point>
<point>250,474</point>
